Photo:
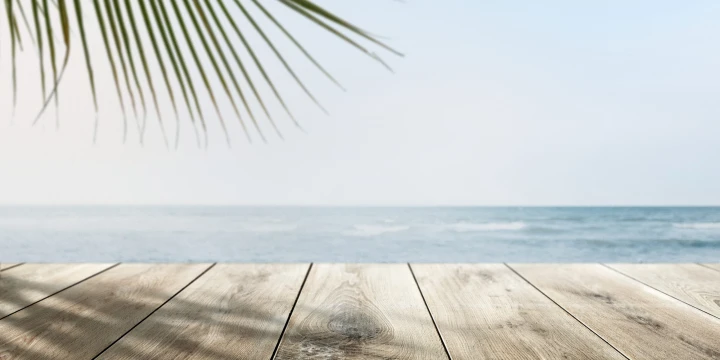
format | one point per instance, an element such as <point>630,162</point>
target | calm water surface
<point>323,234</point>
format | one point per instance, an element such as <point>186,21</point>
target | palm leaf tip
<point>180,50</point>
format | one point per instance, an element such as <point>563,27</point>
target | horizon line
<point>363,205</point>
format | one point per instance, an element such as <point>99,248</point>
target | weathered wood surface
<point>231,312</point>
<point>693,284</point>
<point>360,312</point>
<point>489,312</point>
<point>641,322</point>
<point>185,311</point>
<point>83,320</point>
<point>24,285</point>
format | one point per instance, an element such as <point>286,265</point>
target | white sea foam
<point>373,230</point>
<point>493,226</point>
<point>698,226</point>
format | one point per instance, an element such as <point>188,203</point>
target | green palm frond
<point>200,47</point>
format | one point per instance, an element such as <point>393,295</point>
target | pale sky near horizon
<point>496,103</point>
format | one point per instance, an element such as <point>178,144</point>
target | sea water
<point>365,234</point>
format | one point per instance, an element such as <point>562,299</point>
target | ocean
<point>363,234</point>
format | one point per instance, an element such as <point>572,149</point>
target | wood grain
<point>690,283</point>
<point>713,266</point>
<point>360,312</point>
<point>231,312</point>
<point>641,322</point>
<point>83,320</point>
<point>26,284</point>
<point>488,312</point>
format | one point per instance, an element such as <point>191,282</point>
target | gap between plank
<point>282,333</point>
<point>658,290</point>
<point>59,291</point>
<point>566,311</point>
<point>9,267</point>
<point>707,267</point>
<point>447,352</point>
<point>154,311</point>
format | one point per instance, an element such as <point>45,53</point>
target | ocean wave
<point>698,226</point>
<point>494,226</point>
<point>374,230</point>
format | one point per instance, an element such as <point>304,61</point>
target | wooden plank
<point>713,266</point>
<point>27,284</point>
<point>488,312</point>
<point>83,320</point>
<point>641,322</point>
<point>7,266</point>
<point>231,312</point>
<point>360,312</point>
<point>691,283</point>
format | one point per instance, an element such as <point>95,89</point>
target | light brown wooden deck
<point>360,311</point>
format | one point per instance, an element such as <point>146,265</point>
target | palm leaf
<point>88,62</point>
<point>111,61</point>
<point>38,33</point>
<point>174,52</point>
<point>296,43</point>
<point>198,63</point>
<point>188,41</point>
<point>53,61</point>
<point>125,50</point>
<point>211,56</point>
<point>234,53</point>
<point>14,41</point>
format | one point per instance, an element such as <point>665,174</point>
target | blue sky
<point>496,103</point>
